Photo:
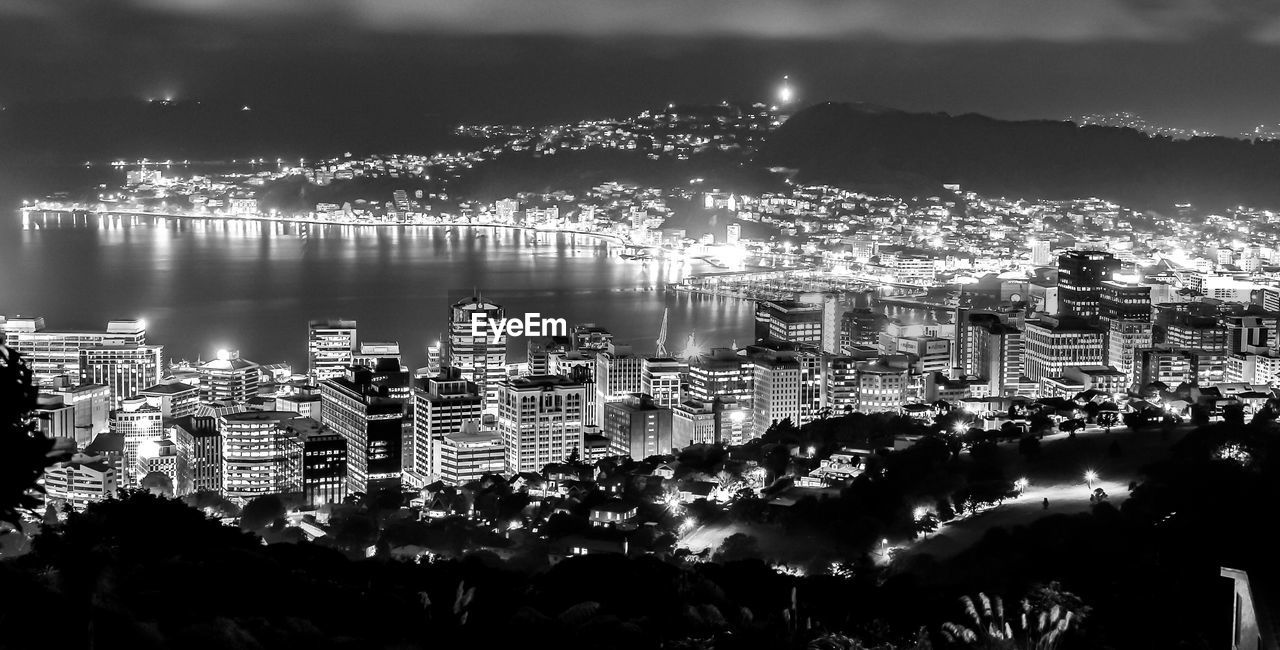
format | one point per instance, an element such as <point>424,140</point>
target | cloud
<point>910,21</point>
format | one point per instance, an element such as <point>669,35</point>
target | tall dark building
<point>371,420</point>
<point>1123,301</point>
<point>861,327</point>
<point>789,321</point>
<point>1080,278</point>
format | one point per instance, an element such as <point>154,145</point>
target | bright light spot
<point>960,427</point>
<point>148,449</point>
<point>737,416</point>
<point>1090,476</point>
<point>919,513</point>
<point>224,354</point>
<point>1021,483</point>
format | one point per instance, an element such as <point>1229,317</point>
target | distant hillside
<point>876,148</point>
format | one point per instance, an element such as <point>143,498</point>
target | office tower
<point>661,378</point>
<point>136,422</point>
<point>371,421</point>
<point>541,420</point>
<point>468,455</point>
<point>1080,278</point>
<point>1053,344</point>
<point>331,344</point>
<point>92,404</point>
<point>637,427</point>
<point>722,372</point>
<point>323,477</point>
<point>1125,338</point>
<point>54,418</point>
<point>378,355</point>
<point>200,443</point>
<point>840,385</point>
<point>441,405</point>
<point>83,480</point>
<point>303,399</point>
<point>861,327</point>
<point>776,381</point>
<point>473,349</point>
<point>882,384</point>
<point>831,317</point>
<point>994,352</point>
<point>1124,301</point>
<point>55,353</point>
<point>259,455</point>
<point>1247,333</point>
<point>161,456</point>
<point>928,353</point>
<point>789,321</point>
<point>125,369</point>
<point>228,379</point>
<point>1168,367</point>
<point>619,373</point>
<point>174,399</point>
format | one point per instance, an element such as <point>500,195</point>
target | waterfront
<point>253,285</point>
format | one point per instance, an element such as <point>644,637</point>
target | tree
<point>158,483</point>
<point>738,546</point>
<point>263,513</point>
<point>1029,446</point>
<point>24,451</point>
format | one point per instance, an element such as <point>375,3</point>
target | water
<point>205,285</point>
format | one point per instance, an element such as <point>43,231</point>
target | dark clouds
<point>1204,63</point>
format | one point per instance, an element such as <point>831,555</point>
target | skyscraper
<point>54,353</point>
<point>330,347</point>
<point>661,378</point>
<point>137,422</point>
<point>474,350</point>
<point>126,369</point>
<point>619,373</point>
<point>441,405</point>
<point>637,427</point>
<point>259,456</point>
<point>541,420</point>
<point>371,421</point>
<point>228,378</point>
<point>790,321</point>
<point>1053,344</point>
<point>1080,278</point>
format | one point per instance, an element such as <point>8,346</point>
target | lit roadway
<point>1058,474</point>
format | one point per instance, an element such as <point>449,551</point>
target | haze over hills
<point>883,149</point>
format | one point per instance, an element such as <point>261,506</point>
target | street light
<point>1089,477</point>
<point>1021,484</point>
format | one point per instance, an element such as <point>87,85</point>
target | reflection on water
<point>254,284</point>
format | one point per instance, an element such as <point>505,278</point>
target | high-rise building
<point>637,427</point>
<point>468,455</point>
<point>1080,278</point>
<point>378,355</point>
<point>331,344</point>
<point>883,384</point>
<point>840,385</point>
<point>441,405</point>
<point>125,369</point>
<point>994,351</point>
<point>324,460</point>
<point>1124,301</point>
<point>541,420</point>
<point>1053,344</point>
<point>137,422</point>
<point>56,353</point>
<point>789,321</point>
<point>721,373</point>
<point>661,379</point>
<point>83,480</point>
<point>1125,338</point>
<point>474,349</point>
<point>259,455</point>
<point>695,422</point>
<point>861,327</point>
<point>228,379</point>
<point>776,382</point>
<point>371,421</point>
<point>54,418</point>
<point>619,373</point>
<point>92,403</point>
<point>161,456</point>
<point>174,399</point>
<point>200,444</point>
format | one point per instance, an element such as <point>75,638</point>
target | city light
<point>148,449</point>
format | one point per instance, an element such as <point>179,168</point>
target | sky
<point>1205,64</point>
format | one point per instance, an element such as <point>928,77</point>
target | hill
<point>874,148</point>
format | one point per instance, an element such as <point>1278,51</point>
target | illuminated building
<point>92,404</point>
<point>661,378</point>
<point>174,399</point>
<point>54,418</point>
<point>81,482</point>
<point>619,373</point>
<point>441,405</point>
<point>1080,279</point>
<point>125,369</point>
<point>200,444</point>
<point>324,461</point>
<point>1125,338</point>
<point>330,347</point>
<point>259,455</point>
<point>789,321</point>
<point>160,456</point>
<point>371,422</point>
<point>541,420</point>
<point>637,427</point>
<point>470,454</point>
<point>474,350</point>
<point>54,353</point>
<point>882,384</point>
<point>1123,301</point>
<point>995,352</point>
<point>1053,344</point>
<point>228,378</point>
<point>787,385</point>
<point>137,422</point>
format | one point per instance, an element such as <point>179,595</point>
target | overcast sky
<point>1193,63</point>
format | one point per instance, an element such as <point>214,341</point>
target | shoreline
<point>608,237</point>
